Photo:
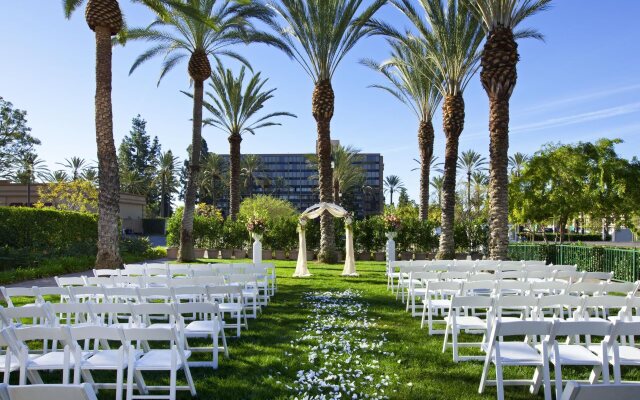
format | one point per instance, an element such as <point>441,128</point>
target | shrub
<point>281,234</point>
<point>207,227</point>
<point>79,195</point>
<point>48,231</point>
<point>265,207</point>
<point>234,234</point>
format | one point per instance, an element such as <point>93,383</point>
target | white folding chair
<point>9,361</point>
<point>76,314</point>
<point>208,325</point>
<point>230,300</point>
<point>547,288</point>
<point>566,275</point>
<point>170,359</point>
<point>582,391</point>
<point>153,294</point>
<point>31,364</point>
<point>101,357</point>
<point>417,288</point>
<point>250,291</point>
<point>103,281</point>
<point>403,279</point>
<point>437,301</point>
<point>106,272</point>
<point>619,353</point>
<point>26,316</point>
<point>584,288</point>
<point>596,277</point>
<point>122,295</point>
<point>625,288</point>
<point>562,306</point>
<point>597,307</point>
<point>576,354</point>
<point>459,319</point>
<point>503,353</point>
<point>113,315</point>
<point>81,294</point>
<point>512,288</point>
<point>146,313</point>
<point>52,294</point>
<point>514,308</point>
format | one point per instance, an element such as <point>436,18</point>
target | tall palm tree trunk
<point>186,252</point>
<point>163,212</point>
<point>234,175</point>
<point>322,109</point>
<point>109,189</point>
<point>498,77</point>
<point>453,124</point>
<point>425,142</point>
<point>336,192</point>
<point>391,196</point>
<point>469,193</point>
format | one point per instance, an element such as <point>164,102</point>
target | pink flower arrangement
<point>256,225</point>
<point>392,223</point>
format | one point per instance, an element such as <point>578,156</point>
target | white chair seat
<point>470,322</point>
<point>629,355</point>
<point>52,360</point>
<point>14,363</point>
<point>158,360</point>
<point>635,318</point>
<point>202,327</point>
<point>161,325</point>
<point>517,353</point>
<point>439,303</point>
<point>106,359</point>
<point>574,355</point>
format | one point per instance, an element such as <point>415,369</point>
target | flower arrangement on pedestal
<point>392,225</point>
<point>256,227</point>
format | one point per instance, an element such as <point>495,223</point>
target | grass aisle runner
<point>342,345</point>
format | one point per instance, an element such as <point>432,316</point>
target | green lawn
<point>264,363</point>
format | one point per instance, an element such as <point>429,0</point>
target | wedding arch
<point>314,212</point>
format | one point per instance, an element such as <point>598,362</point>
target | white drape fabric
<point>349,260</point>
<point>301,266</point>
<point>314,212</point>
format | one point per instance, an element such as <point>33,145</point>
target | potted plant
<point>199,252</point>
<point>213,253</point>
<point>267,254</point>
<point>364,256</point>
<point>172,253</point>
<point>226,254</point>
<point>406,255</point>
<point>420,256</point>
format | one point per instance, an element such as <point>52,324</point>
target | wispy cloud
<point>578,118</point>
<point>582,98</point>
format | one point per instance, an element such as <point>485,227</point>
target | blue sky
<point>581,84</point>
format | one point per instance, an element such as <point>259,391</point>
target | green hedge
<point>47,231</point>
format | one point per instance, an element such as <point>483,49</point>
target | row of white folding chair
<point>541,347</point>
<point>230,298</point>
<point>133,355</point>
<point>462,313</point>
<point>208,322</point>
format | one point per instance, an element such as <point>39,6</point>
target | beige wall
<point>131,205</point>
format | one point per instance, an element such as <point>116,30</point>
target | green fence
<point>624,263</point>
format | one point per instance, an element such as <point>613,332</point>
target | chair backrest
<point>482,276</point>
<point>464,263</point>
<point>470,288</point>
<point>96,332</point>
<point>586,391</point>
<point>521,328</point>
<point>37,315</point>
<point>155,271</point>
<point>155,281</point>
<point>624,328</point>
<point>144,312</point>
<point>596,276</point>
<point>108,272</point>
<point>531,263</point>
<point>9,292</point>
<point>197,307</point>
<point>548,287</point>
<point>588,288</point>
<point>158,265</point>
<point>625,288</point>
<point>525,304</point>
<point>510,266</point>
<point>243,279</point>
<point>110,313</point>
<point>83,391</point>
<point>70,313</point>
<point>512,287</point>
<point>231,293</point>
<point>443,288</point>
<point>154,293</point>
<point>177,282</point>
<point>450,276</point>
<point>179,269</point>
<point>564,267</point>
<point>203,272</point>
<point>34,333</point>
<point>80,292</point>
<point>153,335</point>
<point>560,300</point>
<point>49,291</point>
<point>424,276</point>
<point>189,291</point>
<point>64,281</point>
<point>210,280</point>
<point>511,274</point>
<point>99,281</point>
<point>462,268</point>
<point>471,301</point>
<point>128,280</point>
<point>573,328</point>
<point>122,295</point>
<point>537,268</point>
<point>592,303</point>
<point>409,269</point>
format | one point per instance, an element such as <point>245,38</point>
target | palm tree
<point>480,180</point>
<point>251,167</point>
<point>90,174</point>
<point>392,183</point>
<point>347,172</point>
<point>434,165</point>
<point>414,84</point>
<point>517,163</point>
<point>470,162</point>
<point>105,19</point>
<point>499,60</point>
<point>452,37</point>
<point>320,33</point>
<point>177,35</point>
<point>30,169</point>
<point>57,177</point>
<point>75,165</point>
<point>235,107</point>
<point>214,169</point>
<point>131,181</point>
<point>166,177</point>
<point>437,182</point>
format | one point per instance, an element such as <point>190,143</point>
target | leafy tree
<point>16,140</point>
<point>415,85</point>
<point>177,36</point>
<point>138,157</point>
<point>319,34</point>
<point>78,195</point>
<point>392,183</point>
<point>500,19</point>
<point>235,104</point>
<point>403,198</point>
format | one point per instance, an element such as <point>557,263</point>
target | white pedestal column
<point>257,248</point>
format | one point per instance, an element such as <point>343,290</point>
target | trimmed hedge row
<point>47,231</point>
